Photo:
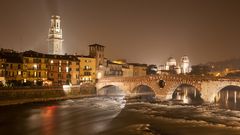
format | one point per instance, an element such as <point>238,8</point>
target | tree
<point>202,70</point>
<point>151,70</point>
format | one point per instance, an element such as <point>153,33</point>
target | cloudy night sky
<point>144,31</point>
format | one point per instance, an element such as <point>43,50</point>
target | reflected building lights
<point>235,97</point>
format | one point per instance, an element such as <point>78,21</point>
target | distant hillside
<point>221,65</point>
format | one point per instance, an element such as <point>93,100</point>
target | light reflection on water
<point>229,98</point>
<point>115,115</point>
<point>48,119</point>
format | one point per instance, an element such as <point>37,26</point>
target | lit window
<point>67,69</point>
<point>35,66</point>
<point>19,72</point>
<point>51,61</point>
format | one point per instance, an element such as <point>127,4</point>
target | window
<point>68,75</point>
<point>26,60</point>
<point>87,61</point>
<point>87,68</point>
<point>59,76</point>
<point>67,69</point>
<point>19,66</point>
<point>87,73</point>
<point>35,60</point>
<point>51,68</point>
<point>35,74</point>
<point>59,62</point>
<point>35,66</point>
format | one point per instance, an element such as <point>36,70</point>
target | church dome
<point>171,61</point>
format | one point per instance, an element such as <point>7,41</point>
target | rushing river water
<point>117,116</point>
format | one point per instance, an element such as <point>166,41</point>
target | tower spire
<point>55,36</point>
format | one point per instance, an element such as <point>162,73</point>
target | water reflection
<point>110,90</point>
<point>187,94</point>
<point>143,93</point>
<point>108,116</point>
<point>48,120</point>
<point>229,98</point>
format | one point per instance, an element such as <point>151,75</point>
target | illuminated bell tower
<point>55,39</point>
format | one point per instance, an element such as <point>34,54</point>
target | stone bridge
<point>164,85</point>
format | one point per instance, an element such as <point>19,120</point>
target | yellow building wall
<point>33,71</point>
<point>87,69</point>
<point>75,72</point>
<point>139,71</point>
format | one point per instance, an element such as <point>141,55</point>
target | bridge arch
<point>229,97</point>
<point>210,91</point>
<point>186,93</point>
<point>143,92</point>
<point>174,86</point>
<point>111,90</point>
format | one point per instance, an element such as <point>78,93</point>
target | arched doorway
<point>187,94</point>
<point>229,97</point>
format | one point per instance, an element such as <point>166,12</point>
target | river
<point>117,116</point>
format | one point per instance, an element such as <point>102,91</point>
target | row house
<point>11,66</point>
<point>122,68</point>
<point>51,69</point>
<point>138,69</point>
<point>33,68</point>
<point>87,68</point>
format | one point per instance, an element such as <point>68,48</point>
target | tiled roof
<point>84,56</point>
<point>31,53</point>
<point>11,57</point>
<point>138,64</point>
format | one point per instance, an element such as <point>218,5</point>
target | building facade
<point>139,69</point>
<point>11,67</point>
<point>35,68</point>
<point>55,38</point>
<point>31,68</point>
<point>185,65</point>
<point>63,69</point>
<point>114,69</point>
<point>172,67</point>
<point>87,68</point>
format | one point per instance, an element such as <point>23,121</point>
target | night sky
<point>145,31</point>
